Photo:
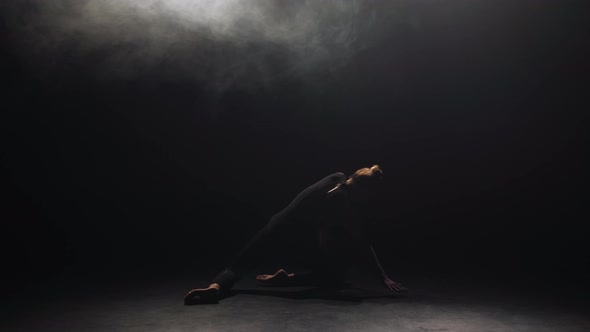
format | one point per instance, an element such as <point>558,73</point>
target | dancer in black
<point>333,212</point>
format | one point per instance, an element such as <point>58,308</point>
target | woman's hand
<point>393,286</point>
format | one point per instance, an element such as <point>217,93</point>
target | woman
<point>333,211</point>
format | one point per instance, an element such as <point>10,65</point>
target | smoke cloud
<point>225,43</point>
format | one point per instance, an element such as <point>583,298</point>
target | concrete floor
<point>156,305</point>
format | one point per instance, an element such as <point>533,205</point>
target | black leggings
<point>324,270</point>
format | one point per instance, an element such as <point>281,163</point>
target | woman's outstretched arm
<point>377,262</point>
<point>391,285</point>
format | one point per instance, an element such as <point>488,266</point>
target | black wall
<point>474,109</point>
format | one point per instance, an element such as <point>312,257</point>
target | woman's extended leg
<point>245,260</point>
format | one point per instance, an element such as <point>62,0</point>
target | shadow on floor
<point>346,295</point>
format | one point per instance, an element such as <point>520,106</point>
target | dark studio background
<point>139,143</point>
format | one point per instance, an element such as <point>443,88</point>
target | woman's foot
<point>203,295</point>
<point>280,278</point>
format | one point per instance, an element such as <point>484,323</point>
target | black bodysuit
<point>329,219</point>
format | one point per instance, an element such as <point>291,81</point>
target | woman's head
<point>363,183</point>
<point>368,176</point>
